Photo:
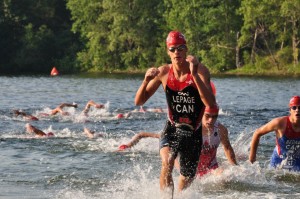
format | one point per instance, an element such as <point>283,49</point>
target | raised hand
<point>151,74</point>
<point>193,61</point>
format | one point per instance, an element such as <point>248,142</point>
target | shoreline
<point>141,73</point>
<point>213,74</point>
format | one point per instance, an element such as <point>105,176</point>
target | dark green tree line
<point>108,35</point>
<point>119,34</point>
<point>271,30</point>
<point>35,36</point>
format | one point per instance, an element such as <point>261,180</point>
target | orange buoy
<point>54,72</point>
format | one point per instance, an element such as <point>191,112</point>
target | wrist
<point>145,83</point>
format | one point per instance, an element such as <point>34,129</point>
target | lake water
<point>71,166</point>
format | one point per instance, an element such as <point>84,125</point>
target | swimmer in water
<point>91,134</point>
<point>25,115</point>
<point>91,103</point>
<point>32,129</point>
<point>88,106</point>
<point>59,109</point>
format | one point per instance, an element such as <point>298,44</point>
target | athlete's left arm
<point>226,144</point>
<point>201,78</point>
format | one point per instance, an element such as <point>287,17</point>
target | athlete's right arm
<point>37,131</point>
<point>141,135</point>
<point>273,125</point>
<point>148,87</point>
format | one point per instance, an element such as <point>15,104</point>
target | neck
<point>295,122</point>
<point>206,130</point>
<point>180,69</point>
<point>183,64</point>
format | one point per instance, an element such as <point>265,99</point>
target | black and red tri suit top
<point>184,103</point>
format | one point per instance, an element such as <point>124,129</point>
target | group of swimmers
<point>287,131</point>
<point>60,109</point>
<point>214,133</point>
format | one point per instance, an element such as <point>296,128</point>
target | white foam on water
<point>136,183</point>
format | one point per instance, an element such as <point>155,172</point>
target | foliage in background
<point>129,35</point>
<point>120,34</point>
<point>35,36</point>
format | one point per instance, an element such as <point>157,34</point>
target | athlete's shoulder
<point>277,124</point>
<point>222,128</point>
<point>279,121</point>
<point>164,69</point>
<point>163,74</point>
<point>219,124</point>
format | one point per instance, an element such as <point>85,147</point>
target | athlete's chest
<point>291,132</point>
<point>179,83</point>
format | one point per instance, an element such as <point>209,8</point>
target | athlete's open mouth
<point>298,115</point>
<point>209,125</point>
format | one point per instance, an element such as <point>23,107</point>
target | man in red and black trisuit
<point>186,83</point>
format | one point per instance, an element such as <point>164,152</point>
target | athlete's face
<point>209,119</point>
<point>295,112</point>
<point>177,53</point>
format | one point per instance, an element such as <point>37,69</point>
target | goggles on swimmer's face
<point>295,107</point>
<point>179,48</point>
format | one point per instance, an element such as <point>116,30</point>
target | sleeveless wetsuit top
<point>184,103</point>
<point>210,144</point>
<point>286,154</point>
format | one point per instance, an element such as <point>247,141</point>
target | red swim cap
<point>50,134</point>
<point>294,101</point>
<point>99,106</point>
<point>120,115</point>
<point>123,147</point>
<point>212,110</point>
<point>33,118</point>
<point>175,38</point>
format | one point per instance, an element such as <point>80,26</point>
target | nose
<point>210,120</point>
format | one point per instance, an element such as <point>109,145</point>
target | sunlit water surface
<point>72,166</point>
